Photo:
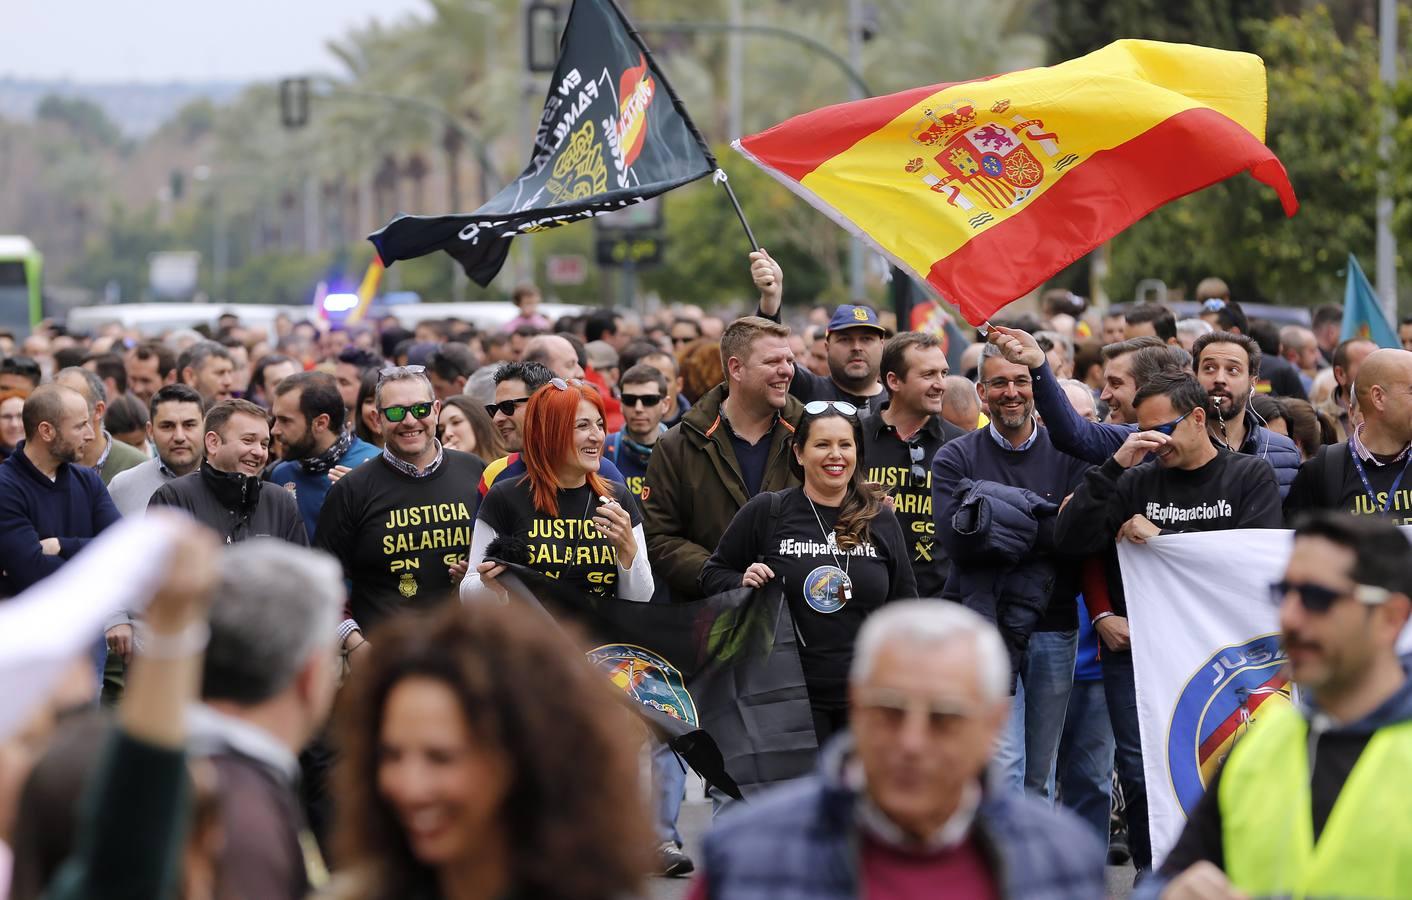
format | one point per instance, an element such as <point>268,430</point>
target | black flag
<point>718,679</point>
<point>612,133</point>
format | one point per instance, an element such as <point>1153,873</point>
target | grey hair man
<point>107,456</point>
<point>266,689</point>
<point>208,367</point>
<point>928,699</point>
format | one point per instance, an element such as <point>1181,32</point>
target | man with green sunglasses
<point>401,523</point>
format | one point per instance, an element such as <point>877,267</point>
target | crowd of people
<point>359,491</point>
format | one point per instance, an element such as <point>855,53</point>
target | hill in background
<point>137,109</point>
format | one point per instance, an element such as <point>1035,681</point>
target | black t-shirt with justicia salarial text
<point>567,546</point>
<point>397,535</point>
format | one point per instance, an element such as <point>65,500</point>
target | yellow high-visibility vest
<point>1365,849</point>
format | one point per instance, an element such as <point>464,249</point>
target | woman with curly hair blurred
<point>454,782</point>
<point>700,366</point>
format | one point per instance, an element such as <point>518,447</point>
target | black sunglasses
<point>817,407</point>
<point>1316,598</point>
<point>398,413</point>
<point>504,406</point>
<point>631,400</point>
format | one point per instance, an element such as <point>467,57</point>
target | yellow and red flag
<point>986,188</point>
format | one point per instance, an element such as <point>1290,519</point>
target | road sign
<point>566,269</point>
<point>642,248</point>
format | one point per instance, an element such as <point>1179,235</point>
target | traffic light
<point>294,102</point>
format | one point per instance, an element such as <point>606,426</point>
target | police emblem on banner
<point>647,678</point>
<point>1217,705</point>
<point>823,589</point>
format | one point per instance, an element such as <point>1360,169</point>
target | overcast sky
<point>181,40</point>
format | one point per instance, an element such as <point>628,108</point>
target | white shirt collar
<point>213,731</point>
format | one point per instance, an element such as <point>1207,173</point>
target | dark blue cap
<point>848,316</point>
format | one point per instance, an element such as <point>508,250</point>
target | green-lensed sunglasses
<point>398,413</point>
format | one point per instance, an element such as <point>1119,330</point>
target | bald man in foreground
<point>1365,474</point>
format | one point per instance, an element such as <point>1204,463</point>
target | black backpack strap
<point>771,525</point>
<point>1335,463</point>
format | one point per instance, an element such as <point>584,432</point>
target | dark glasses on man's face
<point>1316,598</point>
<point>648,400</point>
<point>504,406</point>
<point>815,407</point>
<point>398,413</point>
<point>1171,426</point>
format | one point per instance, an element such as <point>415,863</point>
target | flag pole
<point>720,174</point>
<point>720,177</point>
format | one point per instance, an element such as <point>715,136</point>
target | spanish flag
<point>985,188</point>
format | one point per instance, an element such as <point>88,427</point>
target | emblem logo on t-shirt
<point>823,589</point>
<point>407,585</point>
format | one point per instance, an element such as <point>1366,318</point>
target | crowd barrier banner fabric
<point>1206,654</point>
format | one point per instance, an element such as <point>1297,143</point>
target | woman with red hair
<point>561,517</point>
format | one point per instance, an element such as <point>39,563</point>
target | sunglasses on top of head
<point>818,407</point>
<point>394,371</point>
<point>398,413</point>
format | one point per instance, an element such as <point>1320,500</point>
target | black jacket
<point>237,507</point>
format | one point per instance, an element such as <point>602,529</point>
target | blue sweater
<point>310,490</point>
<point>74,508</point>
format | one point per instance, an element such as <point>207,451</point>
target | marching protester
<point>464,426</point>
<point>270,370</point>
<point>900,805</point>
<point>400,524</point>
<point>514,384</point>
<point>449,367</point>
<point>308,413</point>
<point>351,366</point>
<point>732,445</point>
<point>12,421</point>
<point>1191,484</point>
<point>854,338</point>
<point>1363,475</point>
<point>646,400</point>
<point>225,492</point>
<point>104,454</point>
<point>900,440</point>
<point>459,769</point>
<point>1305,804</point>
<point>266,688</point>
<point>835,547</point>
<point>1150,320</point>
<point>208,367</point>
<point>960,405</point>
<point>1345,361</point>
<point>994,495</point>
<point>367,419</point>
<point>1227,367</point>
<point>150,366</point>
<point>50,505</point>
<point>570,521</point>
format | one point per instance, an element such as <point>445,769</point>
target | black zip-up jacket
<point>236,506</point>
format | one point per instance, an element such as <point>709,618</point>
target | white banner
<point>1206,656</point>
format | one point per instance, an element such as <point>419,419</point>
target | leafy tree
<point>1323,126</point>
<point>84,118</point>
